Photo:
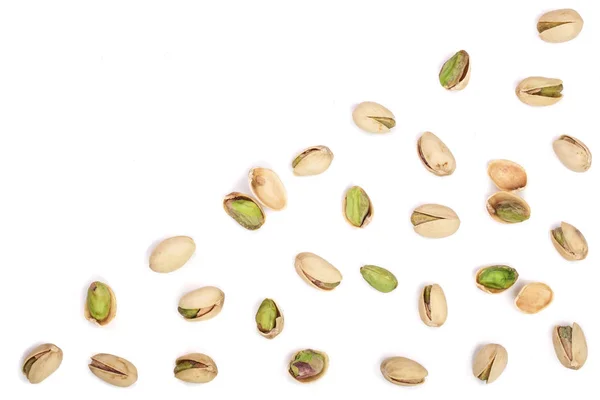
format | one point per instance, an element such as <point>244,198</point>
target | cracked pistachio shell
<point>435,156</point>
<point>540,91</point>
<point>244,210</point>
<point>269,319</point>
<point>403,371</point>
<point>317,271</point>
<point>41,362</point>
<point>201,304</point>
<point>308,365</point>
<point>569,242</point>
<point>560,26</point>
<point>456,72</point>
<point>572,153</point>
<point>508,208</point>
<point>570,346</point>
<point>195,368</point>
<point>267,188</point>
<point>507,175</point>
<point>534,297</point>
<point>357,207</point>
<point>379,278</point>
<point>172,253</point>
<point>101,304</point>
<point>312,161</point>
<point>432,306</point>
<point>434,221</point>
<point>496,278</point>
<point>490,362</point>
<point>113,370</point>
<point>374,118</point>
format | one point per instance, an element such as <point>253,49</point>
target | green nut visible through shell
<point>569,242</point>
<point>358,209</point>
<point>308,365</point>
<point>101,304</point>
<point>496,278</point>
<point>379,278</point>
<point>41,362</point>
<point>269,319</point>
<point>455,72</point>
<point>195,368</point>
<point>201,304</point>
<point>508,208</point>
<point>244,210</point>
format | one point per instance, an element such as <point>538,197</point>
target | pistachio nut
<point>496,278</point>
<point>114,370</point>
<point>317,271</point>
<point>569,242</point>
<point>374,118</point>
<point>201,304</point>
<point>456,71</point>
<point>403,371</point>
<point>171,254</point>
<point>101,304</point>
<point>379,278</point>
<point>507,175</point>
<point>358,209</point>
<point>572,153</point>
<point>267,188</point>
<point>540,91</point>
<point>41,362</point>
<point>312,161</point>
<point>195,368</point>
<point>434,221</point>
<point>432,306</point>
<point>435,156</point>
<point>508,208</point>
<point>570,346</point>
<point>308,365</point>
<point>269,319</point>
<point>560,26</point>
<point>534,297</point>
<point>490,362</point>
<point>244,210</point>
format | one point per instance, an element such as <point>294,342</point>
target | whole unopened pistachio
<point>433,308</point>
<point>244,210</point>
<point>570,345</point>
<point>456,71</point>
<point>101,304</point>
<point>41,362</point>
<point>269,319</point>
<point>569,242</point>
<point>317,271</point>
<point>496,278</point>
<point>490,362</point>
<point>172,253</point>
<point>267,188</point>
<point>434,221</point>
<point>507,175</point>
<point>572,153</point>
<point>358,208</point>
<point>379,278</point>
<point>312,161</point>
<point>201,304</point>
<point>403,371</point>
<point>435,156</point>
<point>114,370</point>
<point>195,368</point>
<point>534,297</point>
<point>508,208</point>
<point>308,365</point>
<point>373,117</point>
<point>540,91</point>
<point>560,26</point>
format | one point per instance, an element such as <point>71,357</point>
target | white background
<point>126,122</point>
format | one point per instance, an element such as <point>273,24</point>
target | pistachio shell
<point>201,304</point>
<point>111,311</point>
<point>569,242</point>
<point>317,271</point>
<point>534,297</point>
<point>195,368</point>
<point>312,161</point>
<point>41,362</point>
<point>433,308</point>
<point>507,175</point>
<point>403,371</point>
<point>357,207</point>
<point>172,253</point>
<point>308,365</point>
<point>374,118</point>
<point>560,26</point>
<point>267,188</point>
<point>456,72</point>
<point>496,278</point>
<point>570,346</point>
<point>435,221</point>
<point>114,370</point>
<point>244,210</point>
<point>508,208</point>
<point>269,319</point>
<point>435,156</point>
<point>540,91</point>
<point>490,362</point>
<point>572,153</point>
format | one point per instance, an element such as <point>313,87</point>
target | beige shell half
<point>577,247</point>
<point>312,378</point>
<point>267,188</point>
<point>127,375</point>
<point>438,308</point>
<point>197,375</point>
<point>279,322</point>
<point>49,357</point>
<point>403,371</point>
<point>435,156</point>
<point>313,268</point>
<point>534,297</point>
<point>507,175</point>
<point>447,224</point>
<point>494,355</point>
<point>572,153</point>
<point>172,253</point>
<point>312,161</point>
<point>537,82</point>
<point>571,26</point>
<point>499,197</point>
<point>579,349</point>
<point>111,314</point>
<point>205,297</point>
<point>366,116</point>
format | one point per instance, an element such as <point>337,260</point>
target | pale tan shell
<point>205,297</point>
<point>403,371</point>
<point>279,323</point>
<point>498,197</point>
<point>111,314</point>
<point>309,265</point>
<point>572,153</point>
<point>573,24</point>
<point>364,113</point>
<point>435,156</point>
<point>49,357</point>
<point>370,212</point>
<point>494,355</point>
<point>507,175</point>
<point>172,253</point>
<point>465,81</point>
<point>579,348</point>
<point>534,297</point>
<point>127,375</point>
<point>447,225</point>
<point>197,375</point>
<point>267,188</point>
<point>576,243</point>
<point>438,307</point>
<point>312,378</point>
<point>312,161</point>
<point>537,82</point>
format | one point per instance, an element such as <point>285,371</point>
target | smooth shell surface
<point>534,297</point>
<point>209,298</point>
<point>403,371</point>
<point>528,91</point>
<point>312,161</point>
<point>507,175</point>
<point>572,245</point>
<point>500,197</point>
<point>573,354</point>
<point>373,118</point>
<point>172,253</point>
<point>317,271</point>
<point>268,188</point>
<point>206,372</point>
<point>114,370</point>
<point>435,221</point>
<point>433,308</point>
<point>435,156</point>
<point>41,362</point>
<point>572,153</point>
<point>111,314</point>
<point>491,360</point>
<point>560,26</point>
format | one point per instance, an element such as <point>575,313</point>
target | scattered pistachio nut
<point>172,253</point>
<point>490,362</point>
<point>195,368</point>
<point>317,271</point>
<point>455,72</point>
<point>308,365</point>
<point>244,210</point>
<point>41,362</point>
<point>435,156</point>
<point>540,91</point>
<point>267,188</point>
<point>507,175</point>
<point>496,278</point>
<point>269,319</point>
<point>358,209</point>
<point>114,370</point>
<point>569,242</point>
<point>434,221</point>
<point>374,118</point>
<point>534,297</point>
<point>508,208</point>
<point>403,371</point>
<point>560,26</point>
<point>201,304</point>
<point>433,308</point>
<point>572,153</point>
<point>101,304</point>
<point>379,278</point>
<point>312,161</point>
<point>570,346</point>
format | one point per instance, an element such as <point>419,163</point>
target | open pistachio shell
<point>560,26</point>
<point>269,319</point>
<point>317,271</point>
<point>434,221</point>
<point>41,362</point>
<point>496,278</point>
<point>308,365</point>
<point>456,72</point>
<point>540,91</point>
<point>201,304</point>
<point>373,117</point>
<point>403,371</point>
<point>433,308</point>
<point>267,188</point>
<point>357,207</point>
<point>534,297</point>
<point>172,253</point>
<point>508,208</point>
<point>490,362</point>
<point>195,368</point>
<point>569,242</point>
<point>435,156</point>
<point>507,175</point>
<point>114,370</point>
<point>570,345</point>
<point>312,161</point>
<point>572,153</point>
<point>101,304</point>
<point>244,210</point>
